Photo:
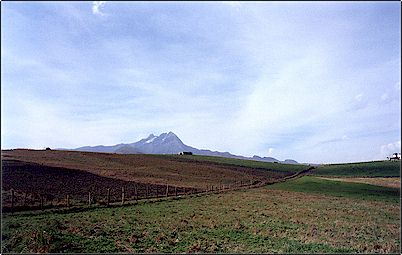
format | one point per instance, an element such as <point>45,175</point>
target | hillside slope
<point>156,169</point>
<point>361,169</point>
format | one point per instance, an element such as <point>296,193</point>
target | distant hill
<point>290,161</point>
<point>169,143</point>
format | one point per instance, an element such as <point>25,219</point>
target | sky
<point>313,82</point>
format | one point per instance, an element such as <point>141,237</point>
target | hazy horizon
<point>313,82</point>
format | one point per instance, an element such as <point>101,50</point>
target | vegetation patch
<point>249,221</point>
<point>363,169</point>
<point>311,184</point>
<point>392,182</point>
<point>288,168</point>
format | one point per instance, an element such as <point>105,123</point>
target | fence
<point>14,200</point>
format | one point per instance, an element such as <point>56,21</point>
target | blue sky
<point>315,82</point>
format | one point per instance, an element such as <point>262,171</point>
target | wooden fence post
<point>12,199</point>
<point>68,200</point>
<point>41,201</point>
<point>25,199</point>
<point>135,192</point>
<point>147,191</point>
<point>108,196</point>
<point>167,189</point>
<point>122,195</point>
<point>175,191</point>
<point>89,198</point>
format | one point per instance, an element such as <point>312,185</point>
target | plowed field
<point>53,175</point>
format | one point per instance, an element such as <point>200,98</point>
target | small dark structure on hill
<point>185,153</point>
<point>395,156</point>
<point>48,149</point>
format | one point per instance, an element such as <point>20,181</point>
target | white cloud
<point>359,97</point>
<point>398,86</point>
<point>268,81</point>
<point>232,3</point>
<point>97,6</point>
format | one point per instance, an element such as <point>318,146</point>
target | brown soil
<point>378,181</point>
<point>154,169</point>
<point>56,174</point>
<point>30,181</point>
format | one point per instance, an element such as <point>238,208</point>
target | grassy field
<point>304,215</point>
<point>393,182</point>
<point>361,191</point>
<point>363,169</point>
<point>273,219</point>
<point>290,168</point>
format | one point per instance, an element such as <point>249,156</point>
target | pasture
<point>264,220</point>
<point>392,182</point>
<point>286,168</point>
<point>360,191</point>
<point>361,169</point>
<point>302,215</point>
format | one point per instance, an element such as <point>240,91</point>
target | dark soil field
<point>155,169</point>
<point>30,180</point>
<point>52,175</point>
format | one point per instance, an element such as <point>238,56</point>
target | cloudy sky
<point>314,82</point>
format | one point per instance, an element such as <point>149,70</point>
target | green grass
<point>291,168</point>
<point>363,169</point>
<point>163,227</point>
<point>249,221</point>
<point>310,184</point>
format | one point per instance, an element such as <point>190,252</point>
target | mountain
<point>266,159</point>
<point>100,148</point>
<point>166,143</point>
<point>290,161</point>
<point>169,143</point>
<point>127,149</point>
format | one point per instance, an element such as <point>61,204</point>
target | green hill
<point>309,184</point>
<point>363,169</point>
<point>290,168</point>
